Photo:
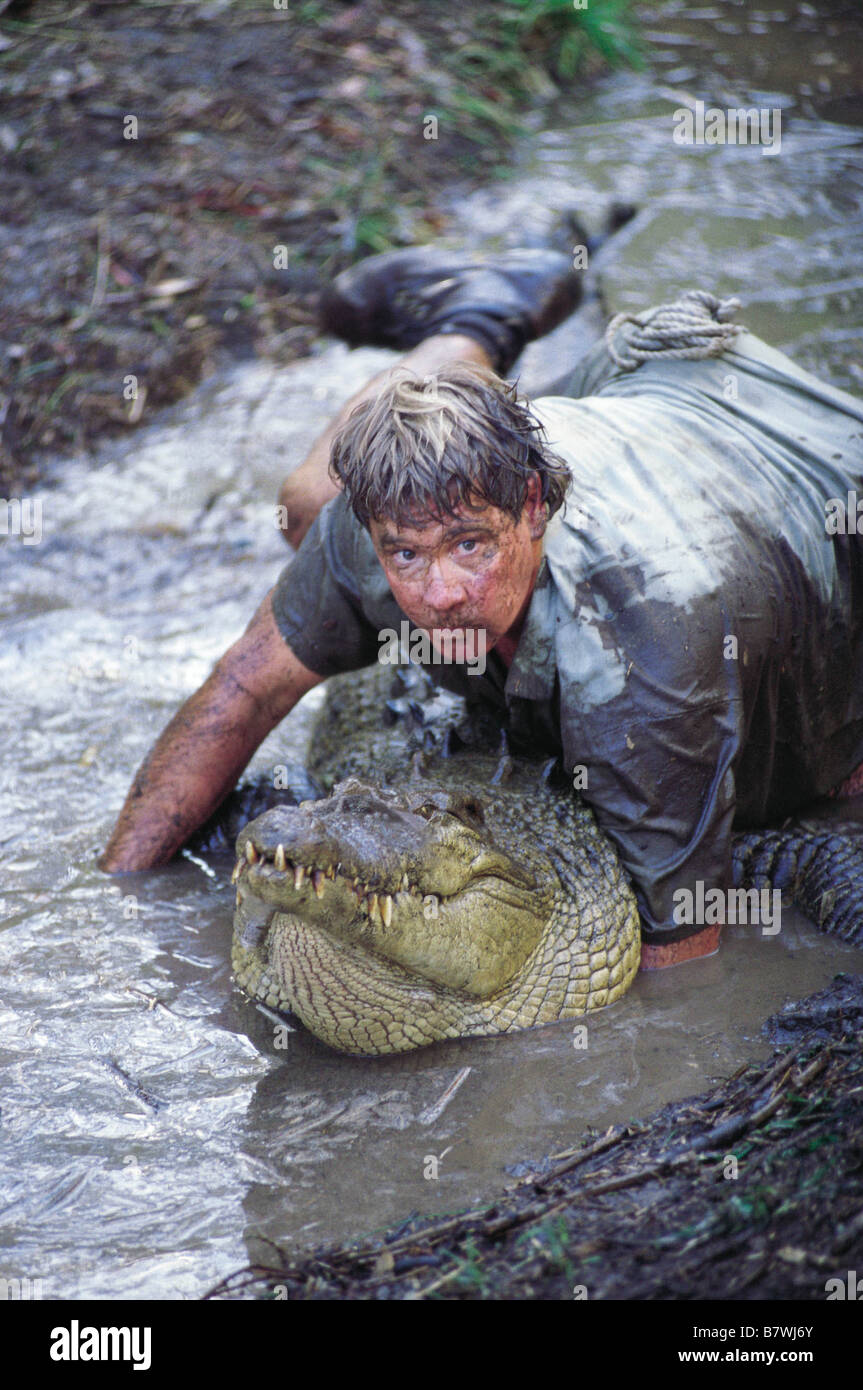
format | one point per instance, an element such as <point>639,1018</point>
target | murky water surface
<point>156,1128</point>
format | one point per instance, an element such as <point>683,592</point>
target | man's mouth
<point>451,624</point>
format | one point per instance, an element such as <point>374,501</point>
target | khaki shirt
<point>694,642</point>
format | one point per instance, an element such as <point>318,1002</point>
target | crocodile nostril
<point>469,809</point>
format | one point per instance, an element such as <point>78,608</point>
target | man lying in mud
<point>686,632</point>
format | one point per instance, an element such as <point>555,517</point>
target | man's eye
<point>405,555</point>
<point>470,545</point>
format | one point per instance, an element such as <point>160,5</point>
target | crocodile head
<point>386,918</point>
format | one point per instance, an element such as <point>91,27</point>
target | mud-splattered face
<point>475,570</point>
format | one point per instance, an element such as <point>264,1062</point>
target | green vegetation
<point>563,37</point>
<point>522,51</point>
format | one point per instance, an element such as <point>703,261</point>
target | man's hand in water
<point>211,738</point>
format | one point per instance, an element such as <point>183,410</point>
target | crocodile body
<point>443,890</point>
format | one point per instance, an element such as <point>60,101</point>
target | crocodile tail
<point>820,872</point>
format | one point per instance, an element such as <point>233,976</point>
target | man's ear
<point>535,510</point>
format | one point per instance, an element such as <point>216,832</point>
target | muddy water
<point>157,1128</point>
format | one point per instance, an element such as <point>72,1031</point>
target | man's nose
<point>444,588</point>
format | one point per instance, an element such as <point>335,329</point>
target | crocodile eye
<point>467,809</point>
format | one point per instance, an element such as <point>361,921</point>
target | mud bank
<point>753,1190</point>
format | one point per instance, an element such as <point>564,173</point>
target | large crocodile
<point>449,892</point>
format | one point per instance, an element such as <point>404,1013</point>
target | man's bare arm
<point>211,738</point>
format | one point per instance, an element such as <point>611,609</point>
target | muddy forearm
<point>207,744</point>
<point>194,765</point>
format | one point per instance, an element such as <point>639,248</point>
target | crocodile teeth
<point>299,875</point>
<point>387,909</point>
<point>279,859</point>
<point>405,883</point>
<point>374,911</point>
<point>330,871</point>
<point>318,883</point>
<point>251,853</point>
<point>237,867</point>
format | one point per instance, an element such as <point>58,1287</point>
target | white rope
<point>695,326</point>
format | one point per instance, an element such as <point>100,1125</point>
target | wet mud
<point>753,1190</point>
<point>160,1131</point>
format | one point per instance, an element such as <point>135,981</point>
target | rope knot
<point>697,325</point>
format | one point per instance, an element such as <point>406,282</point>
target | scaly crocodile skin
<point>471,897</point>
<point>439,905</point>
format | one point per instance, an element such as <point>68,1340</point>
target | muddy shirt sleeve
<point>321,598</point>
